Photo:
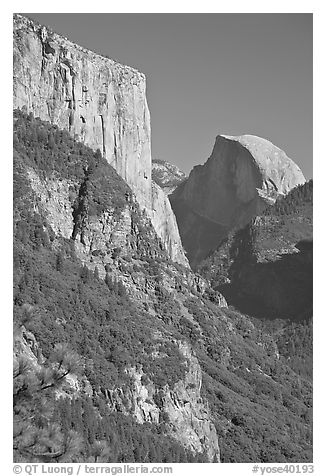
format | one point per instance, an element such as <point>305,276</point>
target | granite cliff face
<point>100,102</point>
<point>187,416</point>
<point>241,177</point>
<point>165,224</point>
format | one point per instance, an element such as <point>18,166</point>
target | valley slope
<point>266,271</point>
<point>121,354</point>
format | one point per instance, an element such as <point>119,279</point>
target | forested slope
<point>120,354</point>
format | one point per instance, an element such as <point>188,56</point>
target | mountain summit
<point>242,176</point>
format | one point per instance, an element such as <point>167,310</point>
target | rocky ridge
<point>111,239</point>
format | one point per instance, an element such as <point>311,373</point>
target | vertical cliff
<point>99,101</point>
<point>164,222</point>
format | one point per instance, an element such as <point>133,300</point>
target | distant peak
<point>166,175</point>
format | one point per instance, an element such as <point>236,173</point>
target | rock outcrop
<point>241,177</point>
<point>186,415</point>
<point>99,101</point>
<point>114,239</point>
<point>166,175</point>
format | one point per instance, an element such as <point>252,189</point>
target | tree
<point>101,452</point>
<point>96,273</point>
<point>59,262</point>
<point>37,435</point>
<point>51,143</point>
<point>84,274</point>
<point>98,155</point>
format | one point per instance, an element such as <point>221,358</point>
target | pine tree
<point>37,435</point>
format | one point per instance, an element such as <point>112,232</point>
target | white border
<point>60,6</point>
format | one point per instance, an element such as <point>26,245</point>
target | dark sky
<point>210,74</point>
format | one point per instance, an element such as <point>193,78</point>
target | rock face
<point>165,224</point>
<point>186,415</point>
<point>242,175</point>
<point>100,102</point>
<point>167,175</point>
